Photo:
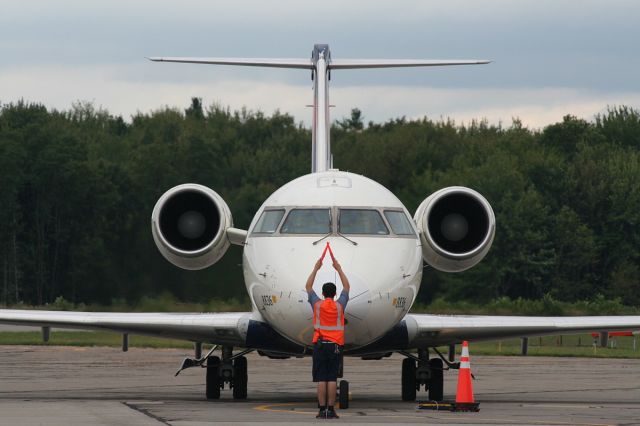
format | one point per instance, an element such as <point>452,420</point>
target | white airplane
<point>379,245</point>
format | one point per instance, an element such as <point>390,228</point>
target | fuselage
<point>372,236</point>
<point>370,231</point>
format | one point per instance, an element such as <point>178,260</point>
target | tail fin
<point>321,65</point>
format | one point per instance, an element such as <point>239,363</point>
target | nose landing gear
<point>343,394</point>
<point>343,386</point>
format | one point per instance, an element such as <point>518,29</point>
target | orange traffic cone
<point>464,395</point>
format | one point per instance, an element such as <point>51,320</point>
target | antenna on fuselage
<point>321,64</point>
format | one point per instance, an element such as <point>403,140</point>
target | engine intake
<point>189,225</point>
<point>457,226</point>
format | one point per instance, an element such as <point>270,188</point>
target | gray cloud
<point>587,48</point>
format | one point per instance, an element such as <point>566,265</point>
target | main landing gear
<point>230,370</point>
<point>421,371</point>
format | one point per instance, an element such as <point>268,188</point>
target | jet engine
<point>189,225</point>
<point>456,227</point>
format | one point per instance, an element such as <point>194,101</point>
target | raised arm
<point>312,276</point>
<point>345,281</point>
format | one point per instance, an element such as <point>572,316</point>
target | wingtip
<point>153,58</point>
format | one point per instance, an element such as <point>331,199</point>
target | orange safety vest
<point>328,321</point>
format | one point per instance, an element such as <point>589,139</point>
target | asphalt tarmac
<point>104,386</point>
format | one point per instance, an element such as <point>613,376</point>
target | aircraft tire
<point>240,378</point>
<point>408,379</point>
<point>343,394</point>
<point>436,382</point>
<point>213,377</point>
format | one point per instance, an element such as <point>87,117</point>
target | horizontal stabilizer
<point>346,64</point>
<point>335,64</point>
<point>249,62</point>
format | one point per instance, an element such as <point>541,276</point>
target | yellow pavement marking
<point>449,415</point>
<point>268,407</point>
<point>543,422</point>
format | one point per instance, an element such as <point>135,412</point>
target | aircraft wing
<point>219,328</point>
<point>435,330</point>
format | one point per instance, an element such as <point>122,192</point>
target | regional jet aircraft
<point>379,244</point>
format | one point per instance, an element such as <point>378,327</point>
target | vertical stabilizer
<point>321,124</point>
<point>321,66</point>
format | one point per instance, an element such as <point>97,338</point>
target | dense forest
<point>78,187</point>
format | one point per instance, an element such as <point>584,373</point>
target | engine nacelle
<point>457,226</point>
<point>189,225</point>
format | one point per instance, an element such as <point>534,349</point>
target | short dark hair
<point>328,289</point>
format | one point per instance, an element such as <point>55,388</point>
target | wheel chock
<point>449,406</point>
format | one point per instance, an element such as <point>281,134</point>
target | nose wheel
<point>343,394</point>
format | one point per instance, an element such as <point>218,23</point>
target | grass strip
<point>88,338</point>
<point>580,345</point>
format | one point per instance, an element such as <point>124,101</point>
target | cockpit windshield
<point>399,222</point>
<point>307,221</point>
<point>359,221</point>
<point>381,222</point>
<point>269,221</point>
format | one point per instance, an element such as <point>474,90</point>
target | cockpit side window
<point>307,221</point>
<point>399,222</point>
<point>269,221</point>
<point>359,221</point>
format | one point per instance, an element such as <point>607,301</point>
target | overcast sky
<point>551,58</point>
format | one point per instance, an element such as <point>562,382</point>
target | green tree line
<point>78,187</point>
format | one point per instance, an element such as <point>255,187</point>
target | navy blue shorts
<point>326,361</point>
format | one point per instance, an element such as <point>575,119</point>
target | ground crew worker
<point>328,337</point>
